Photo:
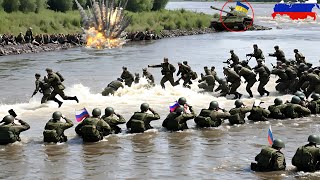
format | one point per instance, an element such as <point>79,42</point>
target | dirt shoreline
<point>6,50</point>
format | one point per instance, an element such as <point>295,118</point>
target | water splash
<point>104,23</point>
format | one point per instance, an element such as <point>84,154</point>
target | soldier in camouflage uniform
<point>270,158</point>
<point>112,87</point>
<point>113,119</point>
<point>248,75</point>
<point>238,113</point>
<point>276,110</point>
<point>55,82</point>
<point>140,121</point>
<point>177,120</point>
<point>167,72</point>
<point>54,129</point>
<point>127,77</point>
<point>235,81</point>
<point>294,110</point>
<point>307,157</point>
<point>92,129</point>
<point>43,88</point>
<point>279,54</point>
<point>211,117</point>
<point>257,53</point>
<point>9,131</point>
<point>264,76</point>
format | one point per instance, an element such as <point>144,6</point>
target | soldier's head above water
<point>165,60</point>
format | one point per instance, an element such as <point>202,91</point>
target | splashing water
<point>104,23</point>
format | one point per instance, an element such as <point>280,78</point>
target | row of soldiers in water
<point>94,128</point>
<point>40,39</point>
<point>293,75</point>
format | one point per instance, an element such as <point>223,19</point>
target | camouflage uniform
<point>207,82</point>
<point>276,111</point>
<point>264,76</point>
<point>307,158</point>
<point>112,87</point>
<point>258,114</point>
<point>295,111</point>
<point>59,127</point>
<point>143,119</point>
<point>55,82</point>
<point>127,77</point>
<point>235,81</point>
<point>176,122</point>
<point>9,133</point>
<point>114,122</point>
<point>44,88</point>
<point>250,78</point>
<point>238,114</point>
<point>167,72</point>
<point>100,125</point>
<point>269,159</point>
<point>223,86</point>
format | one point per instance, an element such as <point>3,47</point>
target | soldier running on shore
<point>234,58</point>
<point>279,54</point>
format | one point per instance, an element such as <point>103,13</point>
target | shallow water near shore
<point>213,153</point>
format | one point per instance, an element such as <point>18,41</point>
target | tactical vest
<point>235,116</point>
<point>204,119</point>
<point>304,158</point>
<point>7,135</point>
<point>173,123</point>
<point>265,159</point>
<point>90,133</point>
<point>137,122</point>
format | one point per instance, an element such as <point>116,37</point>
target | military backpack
<point>303,160</point>
<point>7,136</point>
<point>50,136</point>
<point>60,76</point>
<point>90,133</point>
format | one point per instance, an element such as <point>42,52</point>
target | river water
<point>215,153</point>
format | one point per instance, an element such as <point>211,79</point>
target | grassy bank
<point>49,21</point>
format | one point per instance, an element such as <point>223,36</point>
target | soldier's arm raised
<point>24,126</point>
<point>68,123</point>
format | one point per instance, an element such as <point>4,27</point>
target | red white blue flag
<point>270,136</point>
<point>81,114</point>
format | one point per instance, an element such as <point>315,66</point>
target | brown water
<point>214,153</point>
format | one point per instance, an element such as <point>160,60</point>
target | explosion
<point>104,23</point>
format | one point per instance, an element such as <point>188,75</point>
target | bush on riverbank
<point>168,20</point>
<point>48,21</point>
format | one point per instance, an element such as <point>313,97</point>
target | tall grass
<point>48,21</point>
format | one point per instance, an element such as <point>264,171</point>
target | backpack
<point>303,159</point>
<point>202,121</point>
<point>264,159</point>
<point>51,136</point>
<point>137,126</point>
<point>60,76</point>
<point>7,136</point>
<point>90,133</point>
<point>235,119</point>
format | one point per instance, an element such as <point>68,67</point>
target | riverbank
<point>138,36</point>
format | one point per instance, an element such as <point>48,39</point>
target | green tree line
<point>66,5</point>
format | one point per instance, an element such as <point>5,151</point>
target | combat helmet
<point>295,100</point>
<point>144,107</point>
<point>315,96</point>
<point>314,139</point>
<point>179,110</point>
<point>182,101</point>
<point>238,103</point>
<point>214,105</point>
<point>7,119</point>
<point>108,111</point>
<point>238,67</point>
<point>96,112</point>
<point>278,143</point>
<point>278,101</point>
<point>56,115</point>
